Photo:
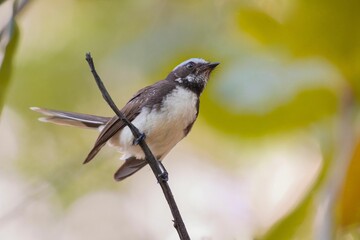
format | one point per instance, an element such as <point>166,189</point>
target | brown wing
<point>130,111</point>
<point>110,129</point>
<point>150,95</point>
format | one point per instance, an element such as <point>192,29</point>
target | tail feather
<point>70,118</point>
<point>131,166</point>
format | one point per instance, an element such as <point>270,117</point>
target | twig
<point>156,166</point>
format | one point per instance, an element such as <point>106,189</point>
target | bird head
<point>193,73</point>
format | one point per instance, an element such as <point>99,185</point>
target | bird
<point>164,112</point>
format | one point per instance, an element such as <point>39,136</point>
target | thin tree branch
<point>156,166</point>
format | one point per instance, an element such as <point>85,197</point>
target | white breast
<point>164,127</point>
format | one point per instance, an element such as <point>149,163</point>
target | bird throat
<point>195,86</point>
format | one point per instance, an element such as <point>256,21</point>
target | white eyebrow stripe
<point>195,60</point>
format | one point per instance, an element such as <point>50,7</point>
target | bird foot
<point>163,176</point>
<point>139,139</point>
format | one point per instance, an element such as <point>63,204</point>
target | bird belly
<point>163,126</point>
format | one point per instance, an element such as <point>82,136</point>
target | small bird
<point>165,112</point>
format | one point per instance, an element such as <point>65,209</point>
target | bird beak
<point>213,65</point>
<point>208,67</point>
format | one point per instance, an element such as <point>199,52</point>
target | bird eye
<point>190,65</point>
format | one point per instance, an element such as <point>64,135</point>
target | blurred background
<point>275,153</point>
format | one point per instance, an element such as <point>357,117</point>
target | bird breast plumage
<point>163,126</point>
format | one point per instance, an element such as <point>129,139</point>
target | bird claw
<point>139,139</point>
<point>163,177</point>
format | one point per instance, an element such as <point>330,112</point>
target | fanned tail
<point>71,118</point>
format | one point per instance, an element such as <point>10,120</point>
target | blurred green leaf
<point>329,29</point>
<point>9,35</point>
<point>307,107</point>
<point>6,65</point>
<point>259,25</point>
<point>349,198</point>
<point>325,28</point>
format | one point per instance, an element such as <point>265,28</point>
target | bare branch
<point>156,166</point>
